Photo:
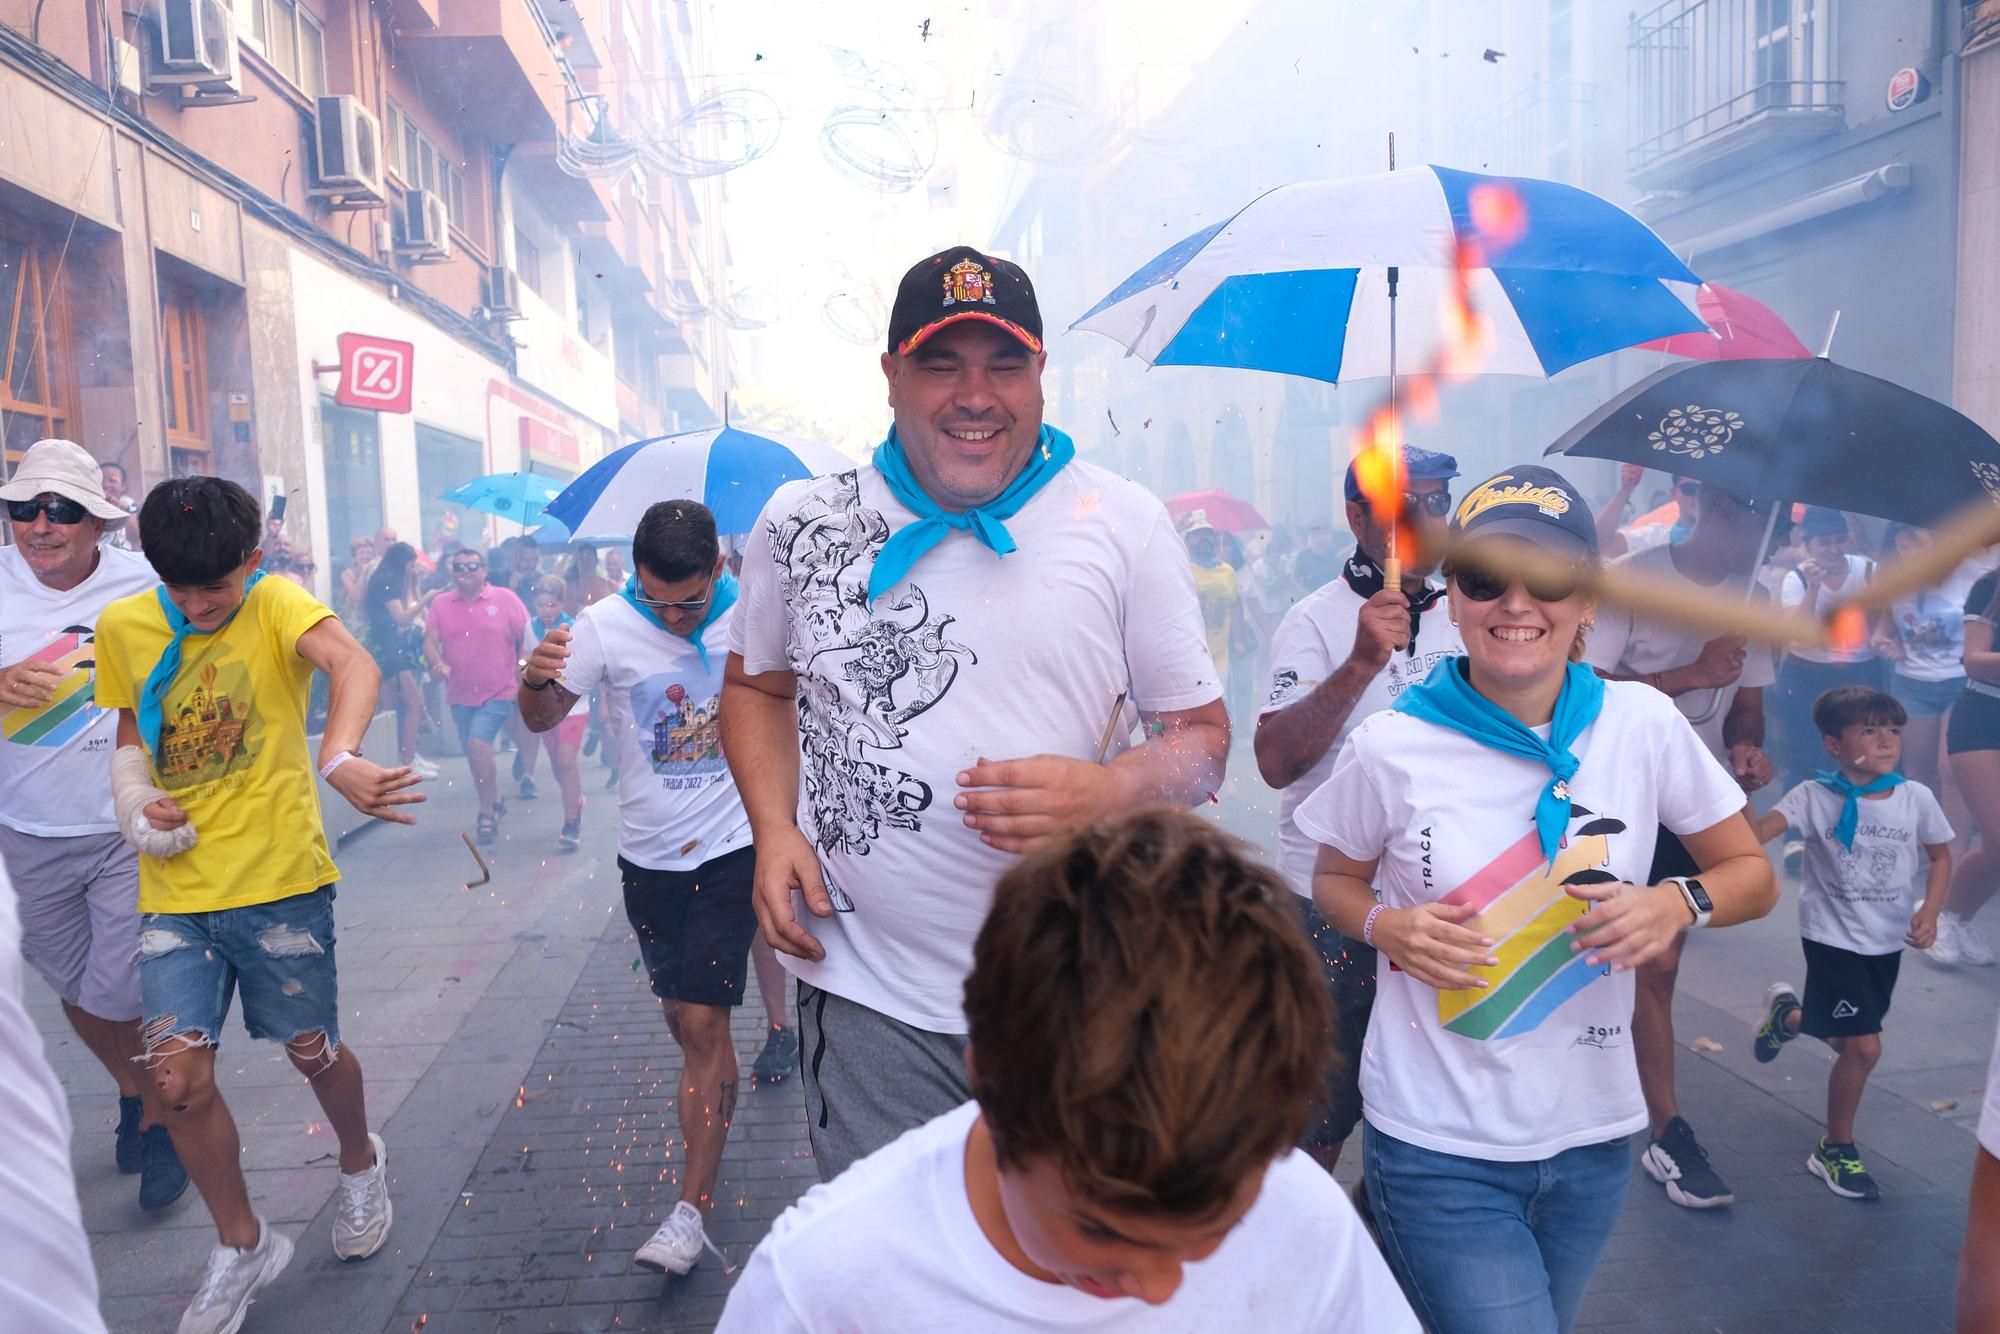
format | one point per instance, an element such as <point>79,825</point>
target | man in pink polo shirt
<point>473,639</point>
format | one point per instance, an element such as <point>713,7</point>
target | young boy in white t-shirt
<point>1148,1031</point>
<point>1862,825</point>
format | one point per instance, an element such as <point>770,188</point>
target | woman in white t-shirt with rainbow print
<point>1488,835</point>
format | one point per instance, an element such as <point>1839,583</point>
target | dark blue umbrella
<point>1797,430</point>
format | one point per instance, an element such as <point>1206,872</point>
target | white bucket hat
<point>67,469</point>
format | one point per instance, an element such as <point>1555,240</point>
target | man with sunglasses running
<point>1719,685</point>
<point>1342,653</point>
<point>77,878</point>
<point>656,653</point>
<point>472,638</point>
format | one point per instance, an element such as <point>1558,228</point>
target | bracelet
<point>326,770</point>
<point>1368,927</point>
<point>526,684</point>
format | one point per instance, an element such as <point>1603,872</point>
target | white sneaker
<point>362,1224</point>
<point>423,768</point>
<point>232,1280</point>
<point>1948,947</point>
<point>1973,946</point>
<point>677,1246</point>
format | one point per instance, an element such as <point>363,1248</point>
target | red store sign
<point>375,373</point>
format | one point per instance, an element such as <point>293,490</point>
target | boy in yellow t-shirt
<point>213,783</point>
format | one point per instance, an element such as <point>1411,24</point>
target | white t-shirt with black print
<point>1792,592</point>
<point>1627,645</point>
<point>1540,1060</point>
<point>1931,625</point>
<point>891,1245</point>
<point>677,805</point>
<point>1861,898</point>
<point>1312,642</point>
<point>971,655</point>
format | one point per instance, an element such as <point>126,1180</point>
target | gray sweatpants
<point>868,1078</point>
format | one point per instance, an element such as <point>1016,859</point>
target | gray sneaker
<point>362,1223</point>
<point>232,1280</point>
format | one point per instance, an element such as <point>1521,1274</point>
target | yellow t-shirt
<point>1215,586</point>
<point>233,748</point>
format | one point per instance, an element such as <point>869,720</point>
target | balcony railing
<point>1700,70</point>
<point>1543,130</point>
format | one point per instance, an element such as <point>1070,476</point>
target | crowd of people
<point>1073,1057</point>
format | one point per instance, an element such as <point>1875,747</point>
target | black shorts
<point>694,927</point>
<point>1847,994</point>
<point>1350,980</point>
<point>1974,725</point>
<point>1670,857</point>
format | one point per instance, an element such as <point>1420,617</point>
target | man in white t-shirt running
<point>1343,652</point>
<point>1147,1032</point>
<point>77,878</point>
<point>1718,684</point>
<point>937,664</point>
<point>654,652</point>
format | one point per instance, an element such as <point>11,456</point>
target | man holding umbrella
<point>972,619</point>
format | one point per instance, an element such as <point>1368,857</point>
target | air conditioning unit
<point>424,227</point>
<point>348,141</point>
<point>503,293</point>
<point>196,48</point>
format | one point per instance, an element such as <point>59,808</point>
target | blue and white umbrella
<point>1297,282</point>
<point>733,472</point>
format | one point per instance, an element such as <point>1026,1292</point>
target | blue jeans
<point>278,954</point>
<point>1494,1248</point>
<point>482,722</point>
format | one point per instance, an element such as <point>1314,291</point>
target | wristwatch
<point>1697,899</point>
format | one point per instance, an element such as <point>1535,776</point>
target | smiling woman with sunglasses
<point>1490,836</point>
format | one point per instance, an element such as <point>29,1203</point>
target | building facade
<point>199,200</point>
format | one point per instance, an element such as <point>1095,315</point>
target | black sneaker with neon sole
<point>1677,1161</point>
<point>1839,1166</point>
<point>1771,1034</point>
<point>779,1057</point>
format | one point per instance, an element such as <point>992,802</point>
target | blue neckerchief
<point>541,632</point>
<point>1446,698</point>
<point>153,695</point>
<point>1679,533</point>
<point>1852,793</point>
<point>907,545</point>
<point>719,601</point>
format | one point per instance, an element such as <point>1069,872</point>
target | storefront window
<point>445,462</point>
<point>353,451</point>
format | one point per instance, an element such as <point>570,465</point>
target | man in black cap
<point>973,593</point>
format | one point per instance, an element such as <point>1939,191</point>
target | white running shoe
<point>1948,948</point>
<point>677,1246</point>
<point>424,768</point>
<point>1973,947</point>
<point>232,1280</point>
<point>362,1224</point>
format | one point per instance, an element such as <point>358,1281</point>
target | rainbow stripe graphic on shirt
<point>1523,907</point>
<point>69,709</point>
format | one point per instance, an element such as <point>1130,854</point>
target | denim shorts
<point>280,954</point>
<point>482,722</point>
<point>1926,699</point>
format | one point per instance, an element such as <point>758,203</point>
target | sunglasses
<point>692,604</point>
<point>1688,488</point>
<point>1437,504</point>
<point>59,510</point>
<point>1484,585</point>
<point>467,567</point>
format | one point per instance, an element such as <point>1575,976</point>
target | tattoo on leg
<point>728,1103</point>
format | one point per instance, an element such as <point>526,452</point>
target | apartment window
<point>528,262</point>
<point>35,392</point>
<point>420,163</point>
<point>185,368</point>
<point>288,36</point>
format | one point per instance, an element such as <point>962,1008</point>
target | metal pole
<point>1392,563</point>
<point>1826,348</point>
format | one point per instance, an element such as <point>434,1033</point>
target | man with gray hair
<point>77,878</point>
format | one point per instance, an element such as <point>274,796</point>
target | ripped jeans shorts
<point>280,954</point>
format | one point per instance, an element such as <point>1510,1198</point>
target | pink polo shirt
<point>481,642</point>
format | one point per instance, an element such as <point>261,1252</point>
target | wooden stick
<point>1973,528</point>
<point>1111,726</point>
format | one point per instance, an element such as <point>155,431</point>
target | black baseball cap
<point>1530,502</point>
<point>963,284</point>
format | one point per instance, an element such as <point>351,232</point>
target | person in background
<point>1614,540</point>
<point>1829,574</point>
<point>1718,685</point>
<point>566,738</point>
<point>393,630</point>
<point>1972,747</point>
<point>1863,824</point>
<point>120,533</point>
<point>352,592</point>
<point>1319,562</point>
<point>584,585</point>
<point>1245,643</point>
<point>614,570</point>
<point>524,571</point>
<point>1979,1258</point>
<point>472,638</point>
<point>1272,591</point>
<point>1215,585</point>
<point>1118,1167</point>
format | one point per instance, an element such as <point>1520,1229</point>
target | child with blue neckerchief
<point>1863,824</point>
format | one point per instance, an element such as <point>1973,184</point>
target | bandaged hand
<point>148,818</point>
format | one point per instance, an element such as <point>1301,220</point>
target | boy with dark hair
<point>1862,823</point>
<point>655,653</point>
<point>1148,1033</point>
<point>213,783</point>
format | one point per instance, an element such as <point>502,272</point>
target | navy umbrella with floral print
<point>1797,429</point>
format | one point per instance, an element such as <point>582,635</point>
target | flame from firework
<point>1499,219</point>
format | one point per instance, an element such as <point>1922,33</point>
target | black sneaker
<point>779,1057</point>
<point>1678,1162</point>
<point>1780,1003</point>
<point>1839,1166</point>
<point>131,1141</point>
<point>162,1180</point>
<point>529,792</point>
<point>611,781</point>
<point>571,835</point>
